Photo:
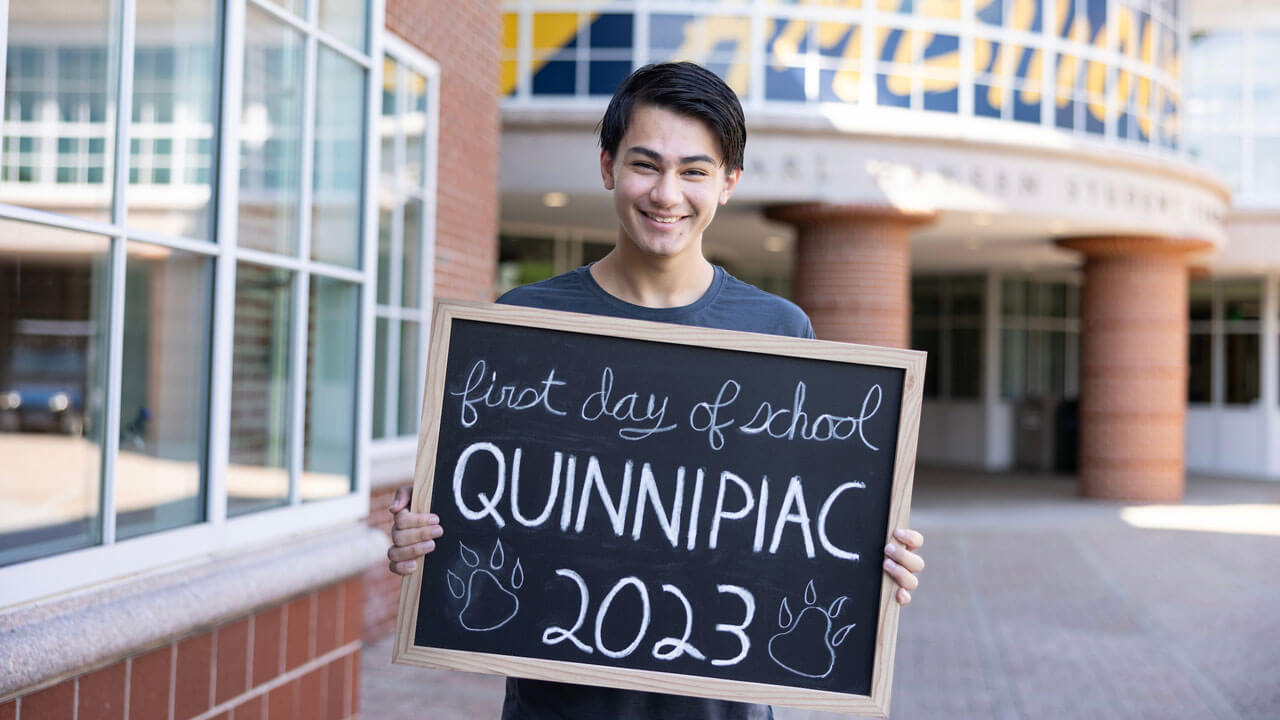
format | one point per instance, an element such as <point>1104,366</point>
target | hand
<point>412,534</point>
<point>902,563</point>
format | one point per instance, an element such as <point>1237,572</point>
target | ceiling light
<point>555,199</point>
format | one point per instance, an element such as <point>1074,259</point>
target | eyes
<point>692,172</point>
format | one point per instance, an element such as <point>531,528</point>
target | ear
<point>606,169</point>
<point>730,182</point>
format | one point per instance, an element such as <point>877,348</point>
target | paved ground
<point>1039,605</point>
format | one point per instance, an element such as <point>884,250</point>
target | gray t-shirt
<point>729,304</point>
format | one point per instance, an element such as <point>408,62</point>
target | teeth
<point>665,221</point>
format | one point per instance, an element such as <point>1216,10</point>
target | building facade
<point>1068,203</point>
<point>223,224</point>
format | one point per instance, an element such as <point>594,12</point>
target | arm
<point>412,534</point>
<point>901,562</point>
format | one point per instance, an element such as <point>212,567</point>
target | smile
<point>663,220</point>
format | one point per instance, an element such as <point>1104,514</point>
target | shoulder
<point>565,291</point>
<point>761,311</point>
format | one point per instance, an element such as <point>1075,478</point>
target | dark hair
<point>685,89</point>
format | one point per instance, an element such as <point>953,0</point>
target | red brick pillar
<point>1133,366</point>
<point>853,270</point>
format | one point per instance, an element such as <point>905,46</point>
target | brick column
<point>1133,366</point>
<point>853,269</point>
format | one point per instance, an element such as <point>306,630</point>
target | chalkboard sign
<point>661,507</point>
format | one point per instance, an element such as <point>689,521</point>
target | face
<point>667,180</point>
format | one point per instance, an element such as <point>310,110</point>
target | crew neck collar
<point>708,297</point>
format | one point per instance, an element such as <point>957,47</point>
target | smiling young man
<point>672,143</point>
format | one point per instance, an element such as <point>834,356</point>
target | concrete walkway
<point>1037,605</point>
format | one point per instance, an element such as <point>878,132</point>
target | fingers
<point>910,538</point>
<point>403,559</point>
<point>905,579</point>
<point>412,535</point>
<point>904,597</point>
<point>401,500</point>
<point>411,528</point>
<point>904,557</point>
<point>403,568</point>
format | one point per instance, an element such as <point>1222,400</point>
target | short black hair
<point>685,89</point>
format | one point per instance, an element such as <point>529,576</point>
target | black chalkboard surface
<point>661,507</point>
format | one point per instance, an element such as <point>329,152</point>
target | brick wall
<point>381,586</point>
<point>463,37</point>
<point>281,663</point>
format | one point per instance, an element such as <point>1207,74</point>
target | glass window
<point>1241,357</point>
<point>53,311</point>
<point>1200,377</point>
<point>1221,154</point>
<point>930,341</point>
<point>258,468</point>
<point>163,391</point>
<point>965,363</point>
<point>347,20</point>
<point>404,252</point>
<point>60,91</point>
<point>270,135</point>
<point>1266,86</point>
<point>175,87</point>
<point>1241,300</point>
<point>1266,165</point>
<point>72,411</point>
<point>329,436</point>
<point>1040,338</point>
<point>339,160</point>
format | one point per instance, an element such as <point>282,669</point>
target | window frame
<point>217,534</point>
<point>407,59</point>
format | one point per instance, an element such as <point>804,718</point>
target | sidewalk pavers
<point>1037,605</point>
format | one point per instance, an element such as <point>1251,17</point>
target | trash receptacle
<point>1034,419</point>
<point>1067,436</point>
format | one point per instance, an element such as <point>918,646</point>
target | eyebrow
<point>652,155</point>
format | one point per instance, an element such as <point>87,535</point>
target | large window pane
<point>412,286</point>
<point>1242,368</point>
<point>257,472</point>
<point>59,121</point>
<point>339,161</point>
<point>380,379</point>
<point>966,363</point>
<point>175,84</point>
<point>413,175</point>
<point>53,298</point>
<point>347,20</point>
<point>1241,300</point>
<point>1013,364</point>
<point>163,390</point>
<point>930,341</point>
<point>410,393</point>
<point>1200,362</point>
<point>270,134</point>
<point>329,436</point>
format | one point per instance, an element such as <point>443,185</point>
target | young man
<point>672,142</point>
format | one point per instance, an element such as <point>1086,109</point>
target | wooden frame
<point>911,362</point>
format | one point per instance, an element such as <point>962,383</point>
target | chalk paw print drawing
<point>488,604</point>
<point>806,645</point>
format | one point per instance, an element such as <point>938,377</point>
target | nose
<point>666,190</point>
